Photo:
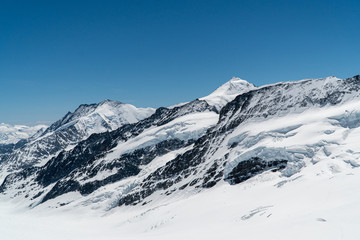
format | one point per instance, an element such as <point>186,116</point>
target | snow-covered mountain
<point>238,152</point>
<point>67,132</point>
<point>227,92</point>
<point>10,134</point>
<point>172,131</point>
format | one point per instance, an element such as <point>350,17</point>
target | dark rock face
<point>212,176</point>
<point>6,148</point>
<point>82,155</point>
<point>173,172</point>
<point>249,168</point>
<point>13,178</point>
<point>127,165</point>
<point>60,188</point>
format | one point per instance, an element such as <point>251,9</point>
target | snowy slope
<point>13,133</point>
<point>319,201</point>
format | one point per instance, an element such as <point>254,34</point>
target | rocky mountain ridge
<point>188,148</point>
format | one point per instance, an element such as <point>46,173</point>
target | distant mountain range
<point>14,133</point>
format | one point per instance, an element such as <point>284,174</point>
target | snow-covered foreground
<point>313,204</point>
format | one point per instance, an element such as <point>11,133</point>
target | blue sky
<point>55,55</point>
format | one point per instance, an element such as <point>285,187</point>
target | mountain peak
<point>108,101</point>
<point>235,79</point>
<point>234,86</point>
<point>228,91</point>
<point>99,117</point>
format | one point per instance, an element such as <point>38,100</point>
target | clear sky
<point>55,55</point>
